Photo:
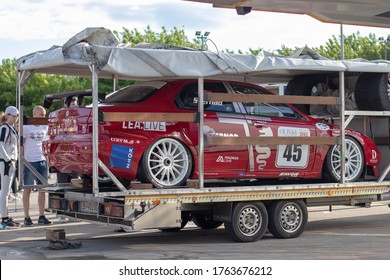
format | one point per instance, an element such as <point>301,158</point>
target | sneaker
<point>28,221</point>
<point>9,223</point>
<point>12,199</point>
<point>43,221</point>
<point>18,197</point>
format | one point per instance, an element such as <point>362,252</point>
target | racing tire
<point>287,218</point>
<point>166,163</point>
<point>303,85</point>
<point>354,161</point>
<point>248,223</point>
<point>205,221</point>
<point>372,92</point>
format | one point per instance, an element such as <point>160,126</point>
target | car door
<point>221,119</point>
<point>264,120</point>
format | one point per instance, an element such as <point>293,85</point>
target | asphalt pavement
<point>345,233</point>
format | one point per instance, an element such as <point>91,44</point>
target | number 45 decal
<point>292,156</point>
<point>293,153</point>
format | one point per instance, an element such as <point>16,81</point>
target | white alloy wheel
<point>167,163</point>
<point>354,161</point>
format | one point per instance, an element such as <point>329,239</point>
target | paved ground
<point>346,233</point>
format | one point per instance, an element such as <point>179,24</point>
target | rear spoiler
<point>66,97</point>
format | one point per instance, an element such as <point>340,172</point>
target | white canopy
<point>150,62</point>
<point>357,12</point>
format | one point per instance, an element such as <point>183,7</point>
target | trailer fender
<point>223,211</point>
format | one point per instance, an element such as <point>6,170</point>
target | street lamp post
<point>385,41</point>
<point>203,38</point>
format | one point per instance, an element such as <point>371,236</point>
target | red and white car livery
<point>166,153</point>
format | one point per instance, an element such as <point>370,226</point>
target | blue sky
<point>31,25</point>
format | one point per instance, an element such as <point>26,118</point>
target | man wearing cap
<point>8,157</point>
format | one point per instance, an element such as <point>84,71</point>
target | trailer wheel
<point>354,161</point>
<point>166,163</point>
<point>249,222</point>
<point>287,218</point>
<point>205,221</point>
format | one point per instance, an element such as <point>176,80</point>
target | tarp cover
<point>156,61</point>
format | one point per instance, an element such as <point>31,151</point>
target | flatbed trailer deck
<point>245,210</point>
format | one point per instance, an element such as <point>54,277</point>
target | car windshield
<point>134,93</point>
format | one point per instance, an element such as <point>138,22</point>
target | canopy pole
<point>115,82</point>
<point>20,97</point>
<point>200,132</point>
<point>342,126</point>
<point>342,110</point>
<point>95,133</point>
<point>341,42</point>
<point>23,77</point>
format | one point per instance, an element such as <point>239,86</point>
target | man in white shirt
<point>33,135</point>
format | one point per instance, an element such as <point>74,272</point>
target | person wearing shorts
<point>33,135</point>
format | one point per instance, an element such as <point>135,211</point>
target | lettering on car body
<point>226,159</point>
<point>374,157</point>
<point>210,132</point>
<point>206,102</point>
<point>123,140</point>
<point>289,174</point>
<point>146,126</point>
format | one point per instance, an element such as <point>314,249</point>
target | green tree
<point>41,84</point>
<point>175,37</point>
<point>355,46</point>
<point>284,50</point>
<point>8,76</point>
<point>36,88</point>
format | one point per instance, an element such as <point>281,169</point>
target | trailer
<point>246,208</point>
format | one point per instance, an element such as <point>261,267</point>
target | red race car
<point>166,153</point>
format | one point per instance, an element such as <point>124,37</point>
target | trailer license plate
<point>90,207</point>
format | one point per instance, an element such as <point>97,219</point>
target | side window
<point>188,98</point>
<point>264,109</point>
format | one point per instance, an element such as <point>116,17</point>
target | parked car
<point>166,153</point>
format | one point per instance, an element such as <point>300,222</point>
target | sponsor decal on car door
<point>274,158</point>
